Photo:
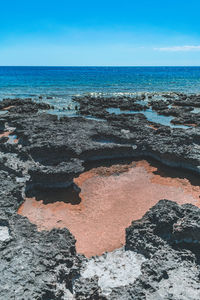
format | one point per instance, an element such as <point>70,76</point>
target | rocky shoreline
<point>39,151</point>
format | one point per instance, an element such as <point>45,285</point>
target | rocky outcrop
<point>177,105</point>
<point>39,149</point>
<point>32,262</point>
<point>36,265</point>
<point>168,250</point>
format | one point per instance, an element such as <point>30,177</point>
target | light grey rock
<point>114,269</point>
<point>4,233</point>
<point>181,284</point>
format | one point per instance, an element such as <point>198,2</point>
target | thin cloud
<point>178,48</point>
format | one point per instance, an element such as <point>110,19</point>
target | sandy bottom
<point>111,198</point>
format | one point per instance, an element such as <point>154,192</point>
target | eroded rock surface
<point>32,263</point>
<point>110,199</point>
<point>170,263</point>
<point>114,269</point>
<point>41,151</point>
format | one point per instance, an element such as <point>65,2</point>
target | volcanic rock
<point>50,152</point>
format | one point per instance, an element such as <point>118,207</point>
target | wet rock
<point>175,105</point>
<point>23,105</point>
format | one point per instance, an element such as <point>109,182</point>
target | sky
<point>99,33</point>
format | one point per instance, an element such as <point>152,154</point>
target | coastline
<point>41,152</point>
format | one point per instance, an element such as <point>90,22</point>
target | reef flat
<point>71,187</point>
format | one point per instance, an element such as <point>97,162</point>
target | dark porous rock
<point>23,105</point>
<point>60,176</point>
<point>10,193</point>
<point>159,105</point>
<point>50,142</point>
<point>32,262</point>
<point>175,105</point>
<point>168,221</point>
<point>170,267</point>
<point>40,150</point>
<point>88,289</point>
<point>187,229</point>
<point>168,235</point>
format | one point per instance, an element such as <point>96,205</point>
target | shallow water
<point>110,199</point>
<point>12,139</point>
<point>196,110</point>
<point>57,85</point>
<point>151,116</point>
<point>3,112</point>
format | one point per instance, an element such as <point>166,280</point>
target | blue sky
<point>100,33</point>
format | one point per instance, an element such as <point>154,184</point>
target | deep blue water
<point>67,81</point>
<point>63,82</point>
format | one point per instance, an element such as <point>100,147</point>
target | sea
<point>61,83</point>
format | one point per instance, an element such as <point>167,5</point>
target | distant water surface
<point>63,82</point>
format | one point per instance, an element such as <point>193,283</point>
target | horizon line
<point>93,66</point>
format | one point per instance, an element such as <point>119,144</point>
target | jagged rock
<point>33,263</point>
<point>51,151</point>
<point>169,268</point>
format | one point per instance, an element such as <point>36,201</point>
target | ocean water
<point>62,83</point>
<point>67,81</point>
